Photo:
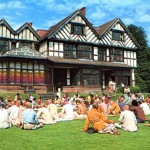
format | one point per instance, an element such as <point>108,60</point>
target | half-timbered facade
<point>74,54</point>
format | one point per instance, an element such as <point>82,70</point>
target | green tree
<point>143,55</point>
<point>140,35</point>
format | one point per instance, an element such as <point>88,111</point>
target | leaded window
<point>101,54</point>
<point>117,35</point>
<point>77,28</point>
<point>84,52</point>
<point>70,51</point>
<point>3,46</point>
<point>116,55</point>
<point>90,77</point>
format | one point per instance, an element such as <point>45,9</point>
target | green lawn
<point>68,136</point>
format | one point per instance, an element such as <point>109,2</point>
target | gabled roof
<point>63,22</point>
<point>3,21</point>
<point>103,29</point>
<point>28,25</point>
<point>23,51</point>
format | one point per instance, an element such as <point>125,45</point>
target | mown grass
<point>68,136</point>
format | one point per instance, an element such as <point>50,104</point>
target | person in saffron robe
<point>114,108</point>
<point>99,122</point>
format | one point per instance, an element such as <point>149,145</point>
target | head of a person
<point>28,105</point>
<point>1,98</point>
<point>134,103</point>
<point>2,105</point>
<point>126,107</point>
<point>18,94</point>
<point>95,105</point>
<point>42,105</point>
<point>78,101</point>
<point>18,102</point>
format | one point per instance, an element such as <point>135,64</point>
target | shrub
<point>135,89</point>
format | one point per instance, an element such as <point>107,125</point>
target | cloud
<point>97,14</point>
<point>144,18</point>
<point>128,21</point>
<point>18,14</point>
<point>12,5</point>
<point>52,22</point>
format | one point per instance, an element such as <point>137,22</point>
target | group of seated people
<point>33,113</point>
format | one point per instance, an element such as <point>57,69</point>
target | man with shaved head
<point>127,120</point>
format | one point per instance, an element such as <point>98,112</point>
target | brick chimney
<point>83,10</point>
<point>30,23</point>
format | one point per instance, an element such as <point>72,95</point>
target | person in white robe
<point>127,120</point>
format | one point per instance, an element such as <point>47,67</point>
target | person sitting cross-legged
<point>44,115</point>
<point>100,123</point>
<point>81,112</point>
<point>127,120</point>
<point>114,108</point>
<point>4,119</point>
<point>52,107</point>
<point>30,119</point>
<point>138,111</point>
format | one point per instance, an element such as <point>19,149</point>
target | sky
<point>46,13</point>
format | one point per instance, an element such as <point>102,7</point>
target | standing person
<point>127,120</point>
<point>110,86</point>
<point>126,90</point>
<point>138,111</point>
<point>4,118</point>
<point>17,96</point>
<point>122,87</point>
<point>113,86</point>
<point>30,119</point>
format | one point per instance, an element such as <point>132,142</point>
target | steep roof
<point>105,27</point>
<point>29,26</point>
<point>60,24</point>
<point>26,25</point>
<point>3,21</point>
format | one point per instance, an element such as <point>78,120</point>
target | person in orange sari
<point>99,122</point>
<point>114,108</point>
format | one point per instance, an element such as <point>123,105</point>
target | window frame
<point>84,52</point>
<point>101,54</point>
<point>117,35</point>
<point>115,56</point>
<point>75,27</point>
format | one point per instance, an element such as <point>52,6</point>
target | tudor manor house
<point>71,55</point>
